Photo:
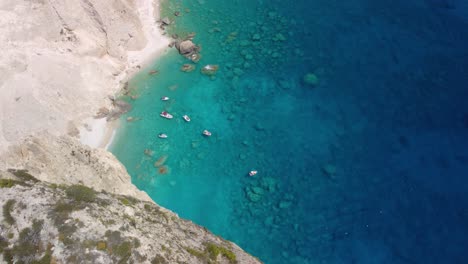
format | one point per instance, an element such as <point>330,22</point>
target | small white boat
<point>253,173</point>
<point>162,135</point>
<point>206,133</point>
<point>164,98</point>
<point>186,118</point>
<point>166,115</point>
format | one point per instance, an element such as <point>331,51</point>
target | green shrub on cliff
<point>211,253</point>
<point>23,175</point>
<point>7,208</point>
<point>7,183</point>
<point>81,193</point>
<point>214,250</point>
<point>28,244</point>
<point>3,243</point>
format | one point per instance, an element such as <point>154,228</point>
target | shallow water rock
<point>160,161</point>
<point>195,57</point>
<point>186,47</point>
<point>187,67</point>
<point>257,190</point>
<point>254,197</point>
<point>164,169</point>
<point>268,184</point>
<point>165,21</point>
<point>210,69</point>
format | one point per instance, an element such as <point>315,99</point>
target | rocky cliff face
<point>49,223</point>
<point>63,160</point>
<point>61,60</point>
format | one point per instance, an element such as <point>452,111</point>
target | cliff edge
<point>50,223</point>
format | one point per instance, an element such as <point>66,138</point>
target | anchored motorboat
<point>166,115</point>
<point>206,133</point>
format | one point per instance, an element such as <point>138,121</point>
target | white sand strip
<point>98,133</point>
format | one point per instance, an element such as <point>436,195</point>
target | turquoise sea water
<point>369,165</point>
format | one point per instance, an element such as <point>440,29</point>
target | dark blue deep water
<point>367,164</point>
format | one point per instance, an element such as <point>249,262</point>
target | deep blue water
<point>370,165</point>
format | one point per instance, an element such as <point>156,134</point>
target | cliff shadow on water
<point>352,112</point>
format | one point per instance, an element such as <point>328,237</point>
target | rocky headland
<point>49,223</point>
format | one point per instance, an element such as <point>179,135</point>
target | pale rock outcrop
<point>64,160</point>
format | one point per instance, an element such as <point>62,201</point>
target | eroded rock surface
<point>61,59</point>
<point>48,223</point>
<point>64,160</point>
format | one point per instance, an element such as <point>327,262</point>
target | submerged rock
<point>165,21</point>
<point>164,169</point>
<point>210,69</point>
<point>187,67</point>
<point>195,57</point>
<point>133,118</point>
<point>160,161</point>
<point>311,79</point>
<point>253,197</point>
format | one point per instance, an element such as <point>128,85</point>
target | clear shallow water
<point>388,115</point>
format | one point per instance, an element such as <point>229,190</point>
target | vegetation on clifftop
<point>84,225</point>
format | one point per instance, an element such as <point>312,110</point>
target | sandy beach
<point>99,133</point>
